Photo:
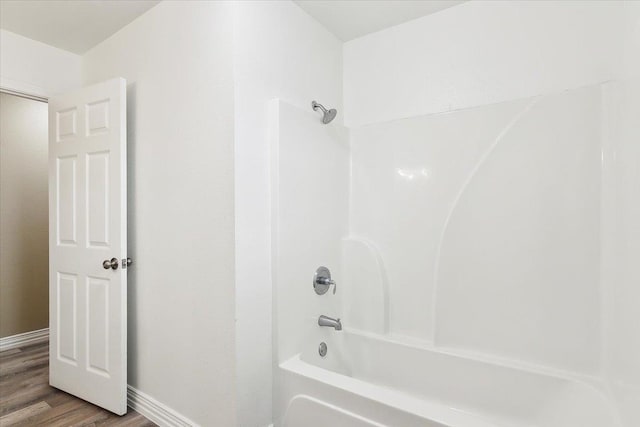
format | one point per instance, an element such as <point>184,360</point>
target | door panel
<point>98,199</point>
<point>87,198</point>
<point>67,319</point>
<point>66,206</point>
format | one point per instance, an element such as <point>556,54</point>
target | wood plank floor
<point>26,399</point>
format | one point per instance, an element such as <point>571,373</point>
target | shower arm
<point>315,105</point>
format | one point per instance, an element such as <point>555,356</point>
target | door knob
<point>112,263</point>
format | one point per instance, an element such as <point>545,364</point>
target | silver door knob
<point>112,263</point>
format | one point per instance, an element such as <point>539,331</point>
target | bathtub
<point>367,380</point>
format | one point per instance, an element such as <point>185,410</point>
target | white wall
<point>280,52</point>
<point>477,53</point>
<point>36,68</point>
<point>177,59</point>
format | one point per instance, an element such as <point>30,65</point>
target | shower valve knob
<point>322,281</point>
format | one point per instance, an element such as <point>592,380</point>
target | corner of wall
<point>35,68</point>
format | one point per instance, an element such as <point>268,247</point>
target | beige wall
<point>24,257</point>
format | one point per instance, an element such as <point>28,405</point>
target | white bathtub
<point>366,381</point>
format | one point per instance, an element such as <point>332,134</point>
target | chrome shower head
<point>327,115</point>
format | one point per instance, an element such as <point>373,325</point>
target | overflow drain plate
<point>322,349</point>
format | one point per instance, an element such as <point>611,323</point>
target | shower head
<point>327,115</point>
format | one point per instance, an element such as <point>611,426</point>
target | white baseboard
<point>137,400</point>
<point>32,337</point>
<point>156,411</point>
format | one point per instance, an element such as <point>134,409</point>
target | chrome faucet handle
<point>322,281</point>
<point>328,282</point>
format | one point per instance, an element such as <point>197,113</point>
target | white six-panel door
<point>88,225</point>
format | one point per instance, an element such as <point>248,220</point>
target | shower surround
<point>468,277</point>
<point>481,247</point>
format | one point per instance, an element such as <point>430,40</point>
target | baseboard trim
<point>155,411</point>
<point>140,402</point>
<point>19,340</point>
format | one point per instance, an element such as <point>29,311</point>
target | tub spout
<point>328,321</point>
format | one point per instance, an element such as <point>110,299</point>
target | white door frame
<point>21,94</point>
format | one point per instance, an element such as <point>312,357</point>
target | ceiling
<point>79,25</point>
<point>350,19</point>
<point>72,25</point>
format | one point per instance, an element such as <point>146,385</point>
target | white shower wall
<point>487,222</point>
<point>510,225</point>
<point>493,201</point>
<point>476,233</point>
<point>280,52</point>
<point>310,167</point>
<point>520,257</point>
<point>622,222</point>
